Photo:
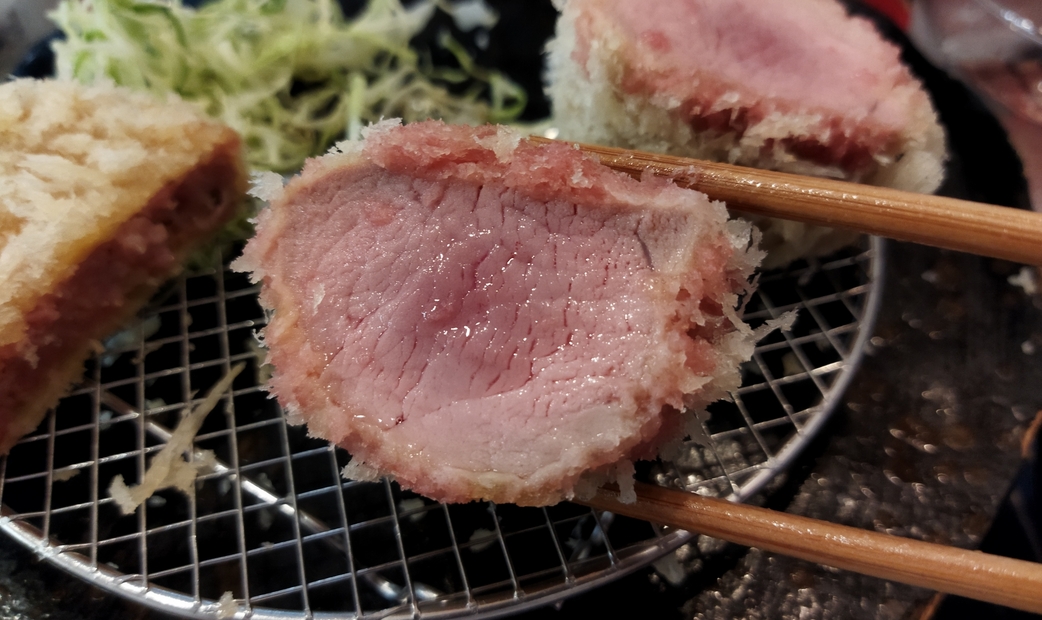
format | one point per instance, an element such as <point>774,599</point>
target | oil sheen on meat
<point>485,318</point>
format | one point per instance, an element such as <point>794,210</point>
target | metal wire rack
<point>273,523</point>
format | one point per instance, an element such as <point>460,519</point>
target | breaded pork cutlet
<point>104,192</point>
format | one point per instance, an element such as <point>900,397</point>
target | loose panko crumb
<point>169,468</point>
<point>1026,279</point>
<point>226,606</point>
<point>624,472</point>
<point>265,185</point>
<point>359,471</point>
<point>65,474</point>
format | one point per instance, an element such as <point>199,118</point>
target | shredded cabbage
<point>291,76</point>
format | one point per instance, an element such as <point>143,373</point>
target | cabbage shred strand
<point>291,76</point>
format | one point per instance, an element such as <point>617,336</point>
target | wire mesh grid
<point>271,521</point>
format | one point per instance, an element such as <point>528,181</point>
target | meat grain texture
<point>484,318</point>
<point>797,86</point>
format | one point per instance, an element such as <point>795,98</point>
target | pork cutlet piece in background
<point>797,86</point>
<point>105,193</point>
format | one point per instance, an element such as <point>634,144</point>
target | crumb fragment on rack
<point>226,606</point>
<point>62,475</point>
<point>169,468</point>
<point>624,472</point>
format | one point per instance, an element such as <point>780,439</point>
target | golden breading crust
<point>94,180</point>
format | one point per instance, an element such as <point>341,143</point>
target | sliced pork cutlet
<point>485,318</point>
<point>797,86</point>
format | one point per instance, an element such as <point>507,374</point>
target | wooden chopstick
<point>988,230</point>
<point>981,576</point>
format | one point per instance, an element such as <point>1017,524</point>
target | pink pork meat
<point>485,318</point>
<point>797,86</point>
